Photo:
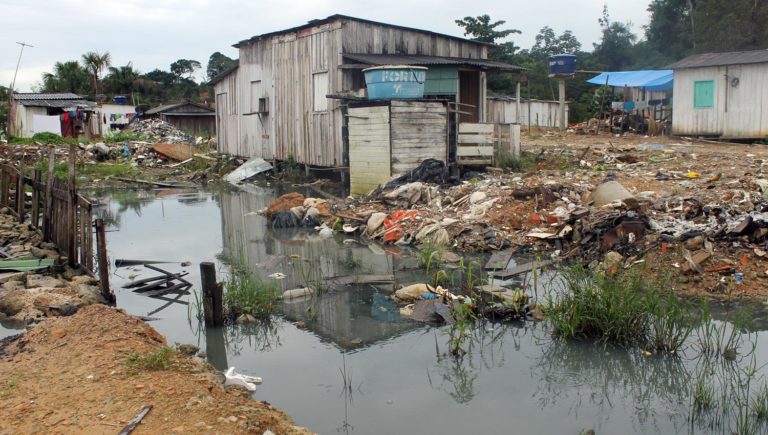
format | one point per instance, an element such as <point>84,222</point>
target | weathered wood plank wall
<point>739,111</point>
<point>419,130</point>
<point>369,148</point>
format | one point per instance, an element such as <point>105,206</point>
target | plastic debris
<point>249,382</point>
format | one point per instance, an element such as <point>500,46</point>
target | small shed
<point>65,114</point>
<point>193,118</point>
<point>722,95</point>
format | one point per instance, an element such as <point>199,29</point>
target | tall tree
<point>218,63</point>
<point>481,28</point>
<point>614,50</point>
<point>94,64</point>
<point>184,68</point>
<point>548,43</point>
<point>120,80</point>
<point>67,76</point>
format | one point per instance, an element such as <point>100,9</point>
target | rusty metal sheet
<point>174,151</point>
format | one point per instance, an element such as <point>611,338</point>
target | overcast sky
<point>154,33</point>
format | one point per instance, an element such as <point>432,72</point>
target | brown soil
<point>69,375</point>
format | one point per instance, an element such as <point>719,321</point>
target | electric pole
<point>23,44</point>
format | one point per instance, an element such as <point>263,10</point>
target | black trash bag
<point>428,171</point>
<point>310,222</point>
<point>285,219</point>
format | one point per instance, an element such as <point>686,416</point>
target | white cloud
<point>152,34</point>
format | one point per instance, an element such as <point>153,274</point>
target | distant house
<point>65,114</point>
<point>721,94</point>
<point>193,118</point>
<point>294,91</point>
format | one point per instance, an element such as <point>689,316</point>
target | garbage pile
<point>702,215</point>
<point>159,130</point>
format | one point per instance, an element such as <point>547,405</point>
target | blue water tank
<point>120,99</point>
<point>395,81</point>
<point>562,64</point>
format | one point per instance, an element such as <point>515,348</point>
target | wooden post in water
<point>103,262</point>
<point>48,209</point>
<point>71,220</point>
<point>213,294</point>
<point>20,196</point>
<point>4,191</point>
<point>36,179</point>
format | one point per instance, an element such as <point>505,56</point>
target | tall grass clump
<point>623,309</point>
<point>430,255</point>
<point>247,293</point>
<point>524,163</point>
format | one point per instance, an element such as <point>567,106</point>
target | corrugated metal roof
<point>408,59</point>
<point>718,59</point>
<point>161,109</point>
<point>23,96</point>
<point>335,17</point>
<point>60,100</point>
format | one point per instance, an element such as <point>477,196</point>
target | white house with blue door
<point>721,95</point>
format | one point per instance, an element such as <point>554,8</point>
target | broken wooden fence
<point>60,213</point>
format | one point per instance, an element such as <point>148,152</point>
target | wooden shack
<point>192,118</point>
<point>721,94</point>
<point>276,104</point>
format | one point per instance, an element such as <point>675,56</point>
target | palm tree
<point>121,80</point>
<point>95,63</point>
<point>66,77</point>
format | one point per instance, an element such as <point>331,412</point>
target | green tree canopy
<point>218,63</point>
<point>120,80</point>
<point>614,50</point>
<point>184,68</point>
<point>67,76</point>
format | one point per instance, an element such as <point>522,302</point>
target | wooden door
<point>469,93</point>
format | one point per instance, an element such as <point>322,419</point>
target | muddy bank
<point>77,375</point>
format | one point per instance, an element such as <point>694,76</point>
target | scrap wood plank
<point>26,265</point>
<point>498,260</point>
<point>520,269</point>
<point>136,420</point>
<point>154,278</point>
<point>361,279</point>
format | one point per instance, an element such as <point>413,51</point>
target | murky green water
<point>357,367</point>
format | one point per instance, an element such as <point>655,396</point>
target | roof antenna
<point>23,44</point>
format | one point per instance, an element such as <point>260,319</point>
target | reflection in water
<point>594,375</point>
<point>262,336</point>
<point>483,349</point>
<point>552,385</point>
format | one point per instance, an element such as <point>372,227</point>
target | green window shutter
<point>704,94</point>
<point>441,81</point>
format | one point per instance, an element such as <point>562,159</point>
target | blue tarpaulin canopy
<point>651,80</point>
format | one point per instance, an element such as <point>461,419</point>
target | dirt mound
<point>75,375</point>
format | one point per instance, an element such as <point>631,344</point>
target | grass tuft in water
<point>704,395</point>
<point>622,309</point>
<point>247,293</point>
<point>430,255</point>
